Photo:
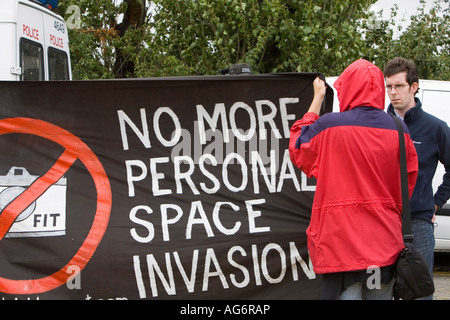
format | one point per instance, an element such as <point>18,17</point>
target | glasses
<point>397,87</point>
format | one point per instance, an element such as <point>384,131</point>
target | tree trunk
<point>134,18</point>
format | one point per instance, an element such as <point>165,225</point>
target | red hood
<point>361,84</point>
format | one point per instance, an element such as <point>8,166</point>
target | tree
<point>425,41</point>
<point>129,32</point>
<point>139,38</point>
<point>272,36</point>
<point>102,47</point>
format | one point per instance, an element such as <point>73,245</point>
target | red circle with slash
<point>75,149</point>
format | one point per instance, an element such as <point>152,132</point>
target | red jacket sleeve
<point>412,164</point>
<point>306,164</point>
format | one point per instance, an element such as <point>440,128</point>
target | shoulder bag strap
<point>406,216</point>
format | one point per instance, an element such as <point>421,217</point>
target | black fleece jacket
<point>431,137</point>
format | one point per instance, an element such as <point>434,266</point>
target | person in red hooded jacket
<point>355,233</point>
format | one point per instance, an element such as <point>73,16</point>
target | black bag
<point>412,280</point>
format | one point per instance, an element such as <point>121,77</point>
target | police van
<point>435,97</point>
<point>34,41</point>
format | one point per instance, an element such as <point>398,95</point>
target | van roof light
<point>50,4</point>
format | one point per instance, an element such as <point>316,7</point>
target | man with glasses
<point>431,138</point>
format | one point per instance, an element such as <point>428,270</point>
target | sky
<point>406,8</point>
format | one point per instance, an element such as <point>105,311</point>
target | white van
<point>435,97</point>
<point>34,42</point>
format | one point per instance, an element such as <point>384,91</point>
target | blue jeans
<point>359,291</point>
<point>423,232</point>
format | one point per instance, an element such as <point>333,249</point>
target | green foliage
<point>93,45</point>
<point>272,36</point>
<point>201,37</point>
<point>425,41</point>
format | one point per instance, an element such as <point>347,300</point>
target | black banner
<point>169,188</point>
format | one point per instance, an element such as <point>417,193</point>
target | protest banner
<point>165,188</point>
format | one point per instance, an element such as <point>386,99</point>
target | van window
<point>58,64</point>
<point>31,60</point>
